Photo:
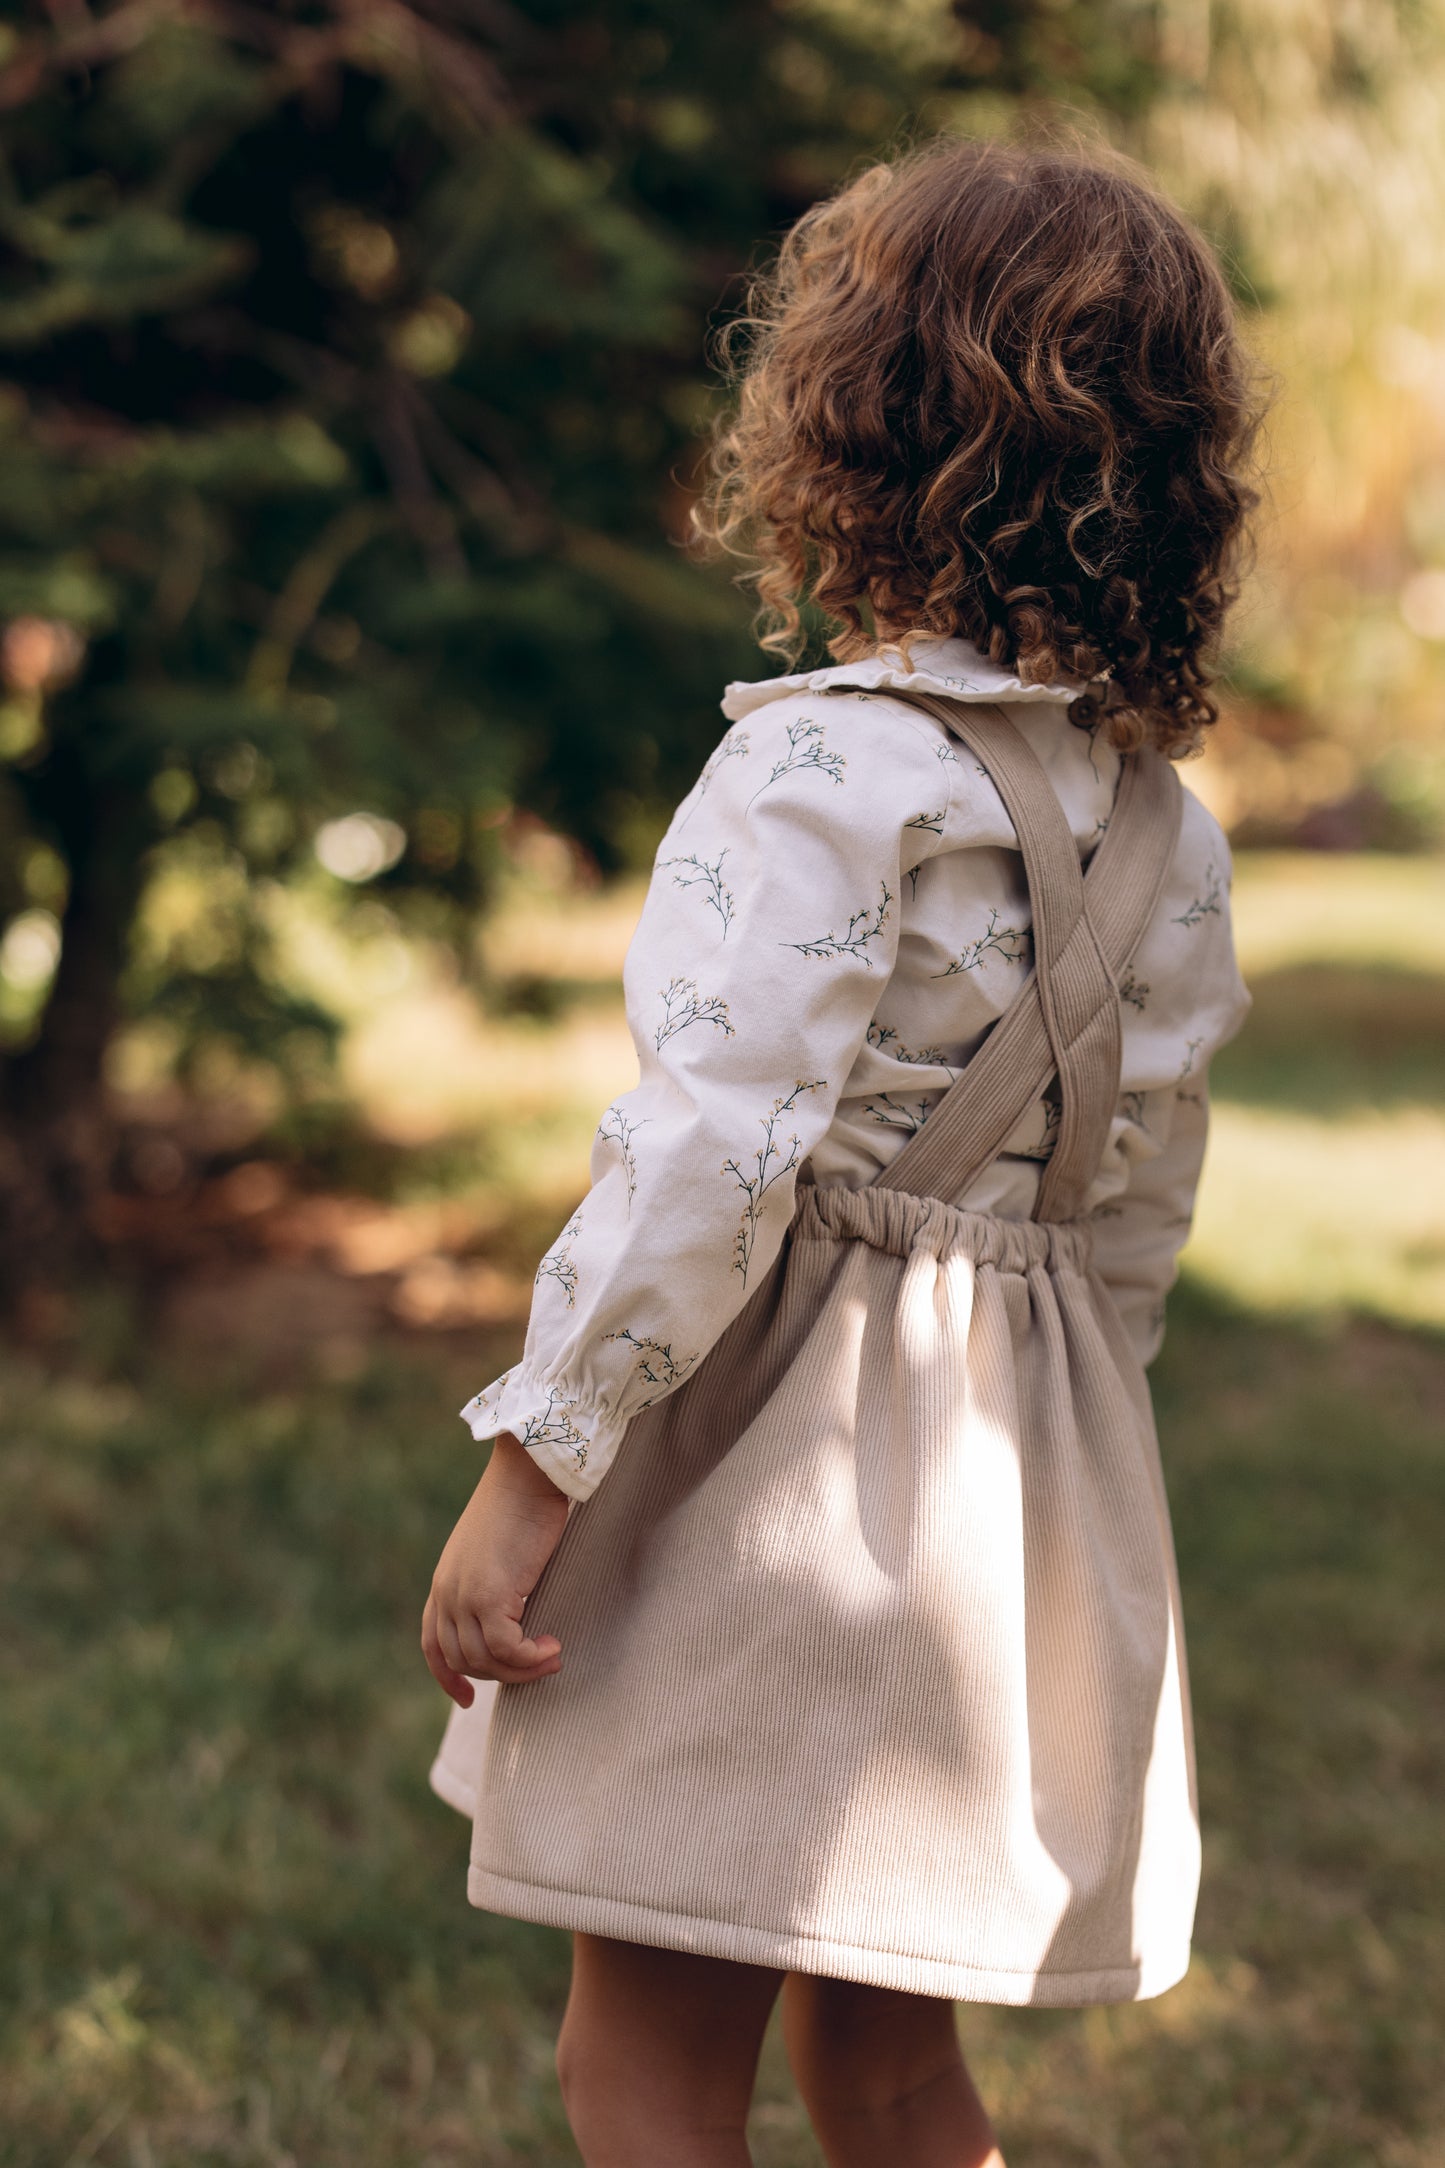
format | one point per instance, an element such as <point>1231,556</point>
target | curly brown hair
<point>997,391</point>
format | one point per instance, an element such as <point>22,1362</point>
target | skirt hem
<point>454,1789</point>
<point>623,1921</point>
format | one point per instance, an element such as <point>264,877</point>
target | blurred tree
<point>353,366</point>
<point>351,374</point>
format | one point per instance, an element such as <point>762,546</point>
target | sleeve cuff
<point>572,1443</point>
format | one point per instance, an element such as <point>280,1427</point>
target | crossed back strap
<point>1065,1021</point>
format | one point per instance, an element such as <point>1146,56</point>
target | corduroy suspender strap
<point>1065,1021</point>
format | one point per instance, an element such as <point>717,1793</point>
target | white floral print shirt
<point>836,917</point>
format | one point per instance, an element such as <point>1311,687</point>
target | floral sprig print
<point>656,1363</point>
<point>481,1403</point>
<point>554,1426</point>
<point>807,748</point>
<point>618,1129</point>
<point>768,1166</point>
<point>1192,1047</point>
<point>736,745</point>
<point>559,1264</point>
<point>1133,990</point>
<point>864,926</point>
<point>1009,943</point>
<point>706,875</point>
<point>1208,903</point>
<point>896,1115</point>
<point>887,1041</point>
<point>682,1005</point>
<point>932,822</point>
<point>944,752</point>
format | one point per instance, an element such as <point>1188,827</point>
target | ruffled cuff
<point>571,1442</point>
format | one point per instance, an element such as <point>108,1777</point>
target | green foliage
<point>352,370</point>
<point>353,362</point>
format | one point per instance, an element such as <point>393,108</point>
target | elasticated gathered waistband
<point>898,1221</point>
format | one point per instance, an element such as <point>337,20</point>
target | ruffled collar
<point>943,664</point>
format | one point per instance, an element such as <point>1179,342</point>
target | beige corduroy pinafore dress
<point>872,1653</point>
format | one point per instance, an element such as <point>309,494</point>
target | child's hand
<point>492,1562</point>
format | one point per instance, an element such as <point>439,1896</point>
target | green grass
<point>1335,1039</point>
<point>1322,1193</point>
<point>236,1930</point>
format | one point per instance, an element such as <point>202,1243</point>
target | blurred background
<point>353,371</point>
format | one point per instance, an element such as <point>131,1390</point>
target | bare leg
<point>658,2055</point>
<point>882,2077</point>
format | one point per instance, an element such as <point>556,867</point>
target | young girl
<point>822,1563</point>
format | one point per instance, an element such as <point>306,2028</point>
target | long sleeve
<point>770,923</point>
<point>1139,1234</point>
<point>1185,990</point>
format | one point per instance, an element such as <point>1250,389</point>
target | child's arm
<point>1186,986</point>
<point>472,1625</point>
<point>769,930</point>
<point>1138,1235</point>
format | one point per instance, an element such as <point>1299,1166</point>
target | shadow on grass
<point>1328,1039</point>
<point>236,1924</point>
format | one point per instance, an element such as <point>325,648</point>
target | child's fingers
<point>507,1644</point>
<point>452,1682</point>
<point>521,1669</point>
<point>465,1649</point>
<point>450,1641</point>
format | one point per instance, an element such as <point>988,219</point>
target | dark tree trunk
<point>55,1137</point>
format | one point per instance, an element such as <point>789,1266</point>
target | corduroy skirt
<point>873,1662</point>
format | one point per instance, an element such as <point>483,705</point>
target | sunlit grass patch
<point>1339,1039</point>
<point>1299,1215</point>
<point>430,1065</point>
<point>1324,1188</point>
<point>1339,907</point>
<point>519,1067</point>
